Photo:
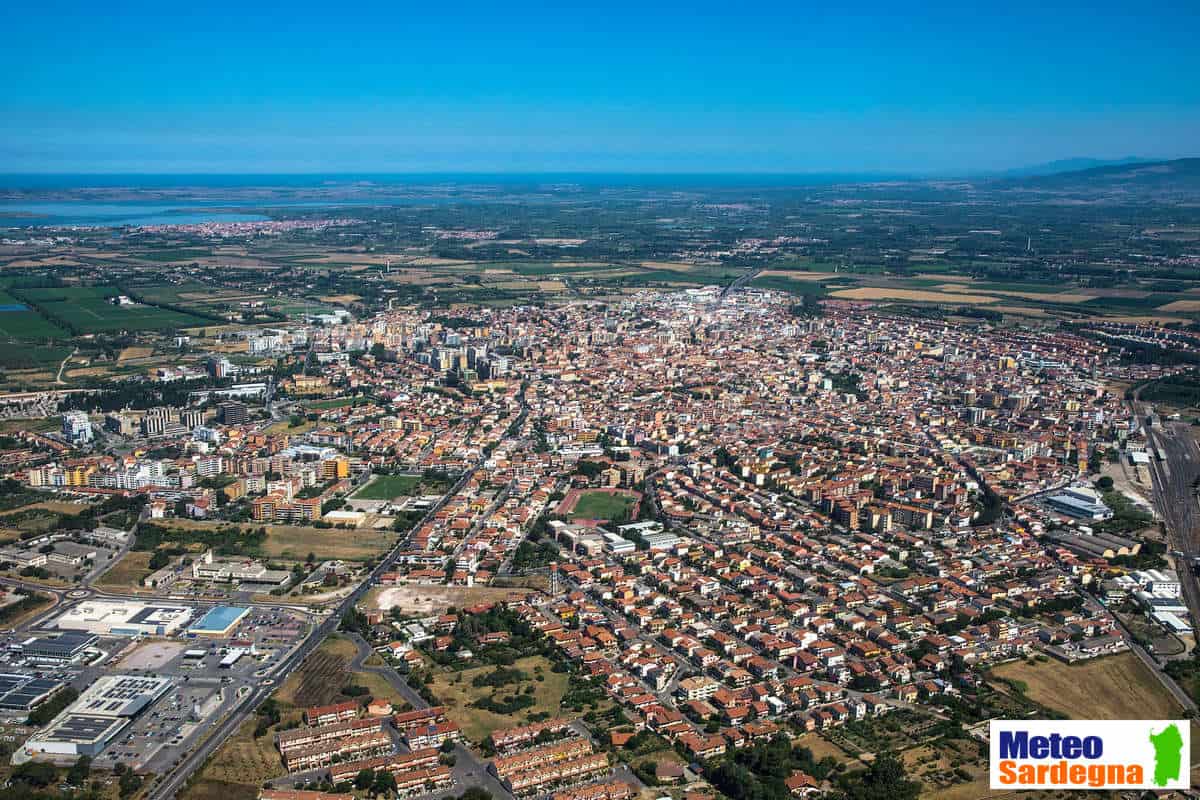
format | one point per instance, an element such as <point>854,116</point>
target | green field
<point>23,355</point>
<point>600,505</point>
<point>23,322</point>
<point>87,309</point>
<point>385,487</point>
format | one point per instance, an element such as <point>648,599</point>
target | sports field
<point>385,487</point>
<point>615,505</point>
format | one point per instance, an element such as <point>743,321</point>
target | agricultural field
<point>87,309</point>
<point>455,690</point>
<point>19,321</point>
<point>17,355</point>
<point>296,542</point>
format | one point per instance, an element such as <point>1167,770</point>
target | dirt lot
<point>151,655</point>
<point>1114,687</point>
<point>420,600</point>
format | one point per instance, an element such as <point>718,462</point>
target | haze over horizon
<point>772,89</point>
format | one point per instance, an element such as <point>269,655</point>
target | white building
<point>124,618</point>
<point>76,427</point>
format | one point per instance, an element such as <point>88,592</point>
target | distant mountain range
<point>1175,179</point>
<point>1069,165</point>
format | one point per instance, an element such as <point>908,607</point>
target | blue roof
<point>219,618</point>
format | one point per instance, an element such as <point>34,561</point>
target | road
<point>170,784</point>
<point>741,281</point>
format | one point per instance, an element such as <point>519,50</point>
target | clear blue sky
<point>646,86</point>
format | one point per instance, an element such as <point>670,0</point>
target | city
<point>599,402</point>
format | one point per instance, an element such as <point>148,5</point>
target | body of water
<point>18,214</point>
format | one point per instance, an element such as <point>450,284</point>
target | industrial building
<point>1080,502</point>
<point>219,622</point>
<point>61,648</point>
<point>85,727</point>
<point>26,692</point>
<point>124,618</point>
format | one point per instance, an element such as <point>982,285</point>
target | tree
<point>79,771</point>
<point>129,783</point>
<point>885,779</point>
<point>385,783</point>
<point>364,779</point>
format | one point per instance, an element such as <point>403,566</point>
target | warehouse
<point>26,692</point>
<point>220,622</point>
<point>85,727</point>
<point>124,618</point>
<point>66,646</point>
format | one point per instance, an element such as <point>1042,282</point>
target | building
<point>506,739</point>
<point>236,570</point>
<point>64,647</point>
<point>300,794</point>
<point>124,618</point>
<point>76,428</point>
<point>698,687</point>
<point>26,692</point>
<point>402,762</point>
<point>1080,502</point>
<point>434,735</point>
<point>219,622</point>
<point>103,710</point>
<point>301,738</point>
<point>234,413</point>
<point>325,715</point>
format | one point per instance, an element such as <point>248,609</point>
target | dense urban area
<point>591,491</point>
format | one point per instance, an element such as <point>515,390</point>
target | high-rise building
<point>76,427</point>
<point>234,414</point>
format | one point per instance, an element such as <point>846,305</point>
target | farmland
<point>88,309</point>
<point>19,321</point>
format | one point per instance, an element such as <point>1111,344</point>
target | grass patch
<point>457,691</point>
<point>1113,687</point>
<point>127,573</point>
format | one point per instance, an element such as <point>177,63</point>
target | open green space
<point>602,505</point>
<point>19,321</point>
<point>89,309</point>
<point>385,487</point>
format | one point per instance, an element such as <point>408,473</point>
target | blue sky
<point>655,87</point>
